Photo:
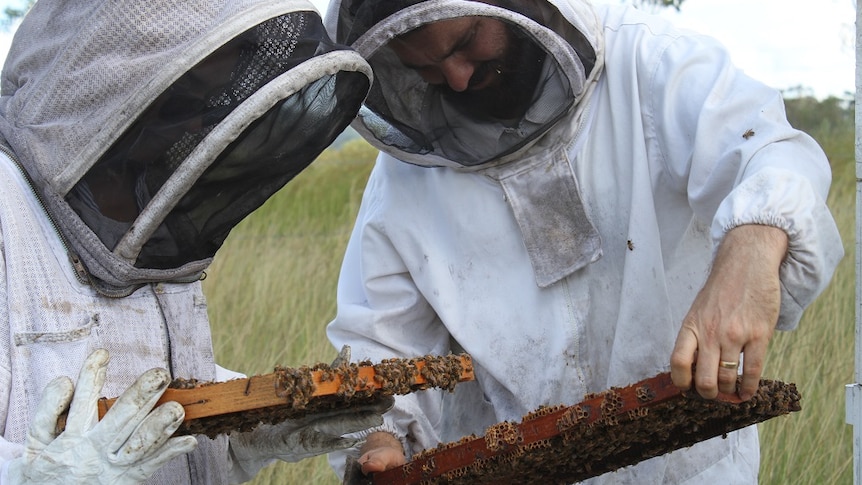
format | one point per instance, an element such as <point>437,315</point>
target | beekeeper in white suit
<point>590,197</point>
<point>135,135</point>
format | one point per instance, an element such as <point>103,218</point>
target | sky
<point>784,43</point>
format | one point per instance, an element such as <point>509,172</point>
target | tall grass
<point>271,288</point>
<point>814,446</point>
<point>271,291</point>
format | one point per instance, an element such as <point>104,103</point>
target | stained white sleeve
<point>382,314</point>
<point>726,138</point>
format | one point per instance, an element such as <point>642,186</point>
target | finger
<point>370,465</point>
<point>153,432</point>
<point>83,411</point>
<point>343,357</point>
<point>130,409</point>
<point>341,425</point>
<point>318,443</point>
<point>706,372</point>
<point>752,370</point>
<point>380,406</point>
<point>682,358</point>
<point>728,371</point>
<point>43,426</point>
<point>172,449</point>
<point>381,459</point>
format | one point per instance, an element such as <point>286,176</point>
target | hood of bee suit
<point>517,135</point>
<point>150,129</point>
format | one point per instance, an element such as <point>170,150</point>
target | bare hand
<point>734,314</point>
<point>381,452</point>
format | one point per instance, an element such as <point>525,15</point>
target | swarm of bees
<point>604,432</point>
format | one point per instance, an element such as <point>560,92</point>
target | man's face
<point>477,62</point>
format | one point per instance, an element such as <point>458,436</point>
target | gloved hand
<point>127,446</point>
<point>295,440</point>
<point>313,435</point>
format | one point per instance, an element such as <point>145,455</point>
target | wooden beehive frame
<point>605,432</point>
<point>242,404</point>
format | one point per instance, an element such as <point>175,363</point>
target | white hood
<point>569,32</point>
<point>74,104</point>
<point>420,123</point>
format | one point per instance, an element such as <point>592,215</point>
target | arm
<point>725,139</point>
<point>383,314</point>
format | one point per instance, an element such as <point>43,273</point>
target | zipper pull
<point>78,266</point>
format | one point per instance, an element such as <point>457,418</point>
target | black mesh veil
<point>272,151</point>
<point>146,165</point>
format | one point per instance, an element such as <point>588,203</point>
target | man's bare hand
<point>381,452</point>
<point>733,315</point>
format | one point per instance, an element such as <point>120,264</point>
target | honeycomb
<point>605,432</point>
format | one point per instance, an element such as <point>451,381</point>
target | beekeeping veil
<point>556,55</point>
<point>150,129</point>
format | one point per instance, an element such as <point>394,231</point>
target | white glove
<point>127,446</point>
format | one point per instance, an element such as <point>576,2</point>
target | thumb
<point>314,443</point>
<point>43,427</point>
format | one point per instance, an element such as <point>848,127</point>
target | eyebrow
<point>462,42</point>
<point>459,44</point>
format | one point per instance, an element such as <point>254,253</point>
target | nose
<point>457,73</point>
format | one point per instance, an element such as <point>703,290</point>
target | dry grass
<point>815,445</point>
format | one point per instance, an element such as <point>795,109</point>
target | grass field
<point>272,287</point>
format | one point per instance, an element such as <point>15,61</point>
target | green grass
<point>271,291</point>
<point>814,446</point>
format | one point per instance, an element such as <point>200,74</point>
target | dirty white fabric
<point>437,263</point>
<point>50,323</point>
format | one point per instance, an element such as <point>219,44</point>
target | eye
<point>467,41</point>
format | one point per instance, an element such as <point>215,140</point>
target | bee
<point>324,375</point>
<point>630,245</point>
<point>362,383</point>
<point>748,134</point>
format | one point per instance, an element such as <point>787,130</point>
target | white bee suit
<point>200,111</point>
<point>165,324</point>
<point>437,260</point>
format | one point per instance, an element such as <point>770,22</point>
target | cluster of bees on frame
<point>180,383</point>
<point>598,435</point>
<point>296,385</point>
<point>390,377</point>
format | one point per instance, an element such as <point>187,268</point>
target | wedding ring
<point>728,365</point>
